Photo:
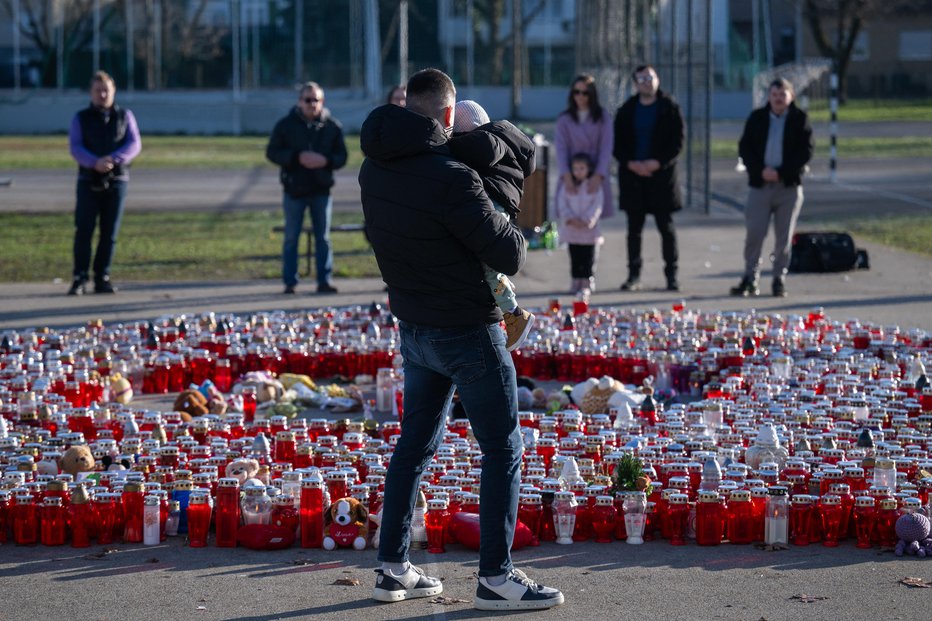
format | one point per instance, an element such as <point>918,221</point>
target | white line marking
<point>887,194</point>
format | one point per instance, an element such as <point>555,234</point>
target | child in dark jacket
<point>503,156</point>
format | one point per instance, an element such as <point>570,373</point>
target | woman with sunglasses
<point>585,127</point>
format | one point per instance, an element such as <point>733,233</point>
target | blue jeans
<point>321,210</point>
<point>107,206</point>
<point>472,359</point>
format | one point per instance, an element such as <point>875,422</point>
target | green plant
<point>629,476</point>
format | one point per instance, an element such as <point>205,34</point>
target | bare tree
<point>188,43</point>
<point>836,24</point>
<point>39,24</point>
<point>490,42</point>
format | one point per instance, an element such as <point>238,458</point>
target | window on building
<point>862,47</point>
<point>916,45</point>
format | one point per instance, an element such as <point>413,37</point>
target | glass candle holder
<point>634,506</point>
<point>249,404</point>
<point>678,516</point>
<point>800,519</point>
<point>228,512</point>
<point>740,518</point>
<point>151,521</point>
<point>285,513</point>
<point>53,527</point>
<point>564,516</point>
<point>710,519</point>
<point>776,518</point>
<point>530,511</point>
<point>133,498</point>
<point>105,506</point>
<point>436,521</point>
<point>830,512</point>
<point>864,516</point>
<point>82,519</point>
<point>603,516</point>
<point>256,505</point>
<point>312,512</point>
<point>885,523</point>
<point>199,511</point>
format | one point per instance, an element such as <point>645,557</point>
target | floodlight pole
<point>403,41</point>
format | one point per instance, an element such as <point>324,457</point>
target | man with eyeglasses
<point>649,131</point>
<point>308,146</point>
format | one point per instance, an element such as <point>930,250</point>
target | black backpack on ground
<point>826,251</point>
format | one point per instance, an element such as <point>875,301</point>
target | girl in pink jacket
<point>578,213</point>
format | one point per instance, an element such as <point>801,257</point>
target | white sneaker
<point>517,593</point>
<point>411,584</point>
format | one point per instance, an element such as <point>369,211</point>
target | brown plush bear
<point>77,459</point>
<point>192,403</point>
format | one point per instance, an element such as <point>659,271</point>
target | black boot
<point>747,287</point>
<point>633,283</point>
<point>672,283</point>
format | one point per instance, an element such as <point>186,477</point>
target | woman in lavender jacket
<point>585,127</point>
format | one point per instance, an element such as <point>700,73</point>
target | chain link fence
<point>676,38</point>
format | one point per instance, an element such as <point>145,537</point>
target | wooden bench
<point>309,231</point>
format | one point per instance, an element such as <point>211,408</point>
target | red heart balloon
<point>465,527</point>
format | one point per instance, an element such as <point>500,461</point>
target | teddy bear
<point>595,396</point>
<point>77,460</point>
<point>346,525</point>
<point>267,387</point>
<point>191,403</point>
<point>244,470</point>
<point>120,389</point>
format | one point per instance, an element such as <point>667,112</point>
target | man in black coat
<point>649,131</point>
<point>432,226</point>
<point>308,146</point>
<point>775,147</point>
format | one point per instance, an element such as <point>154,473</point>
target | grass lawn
<point>912,233</point>
<point>226,152</point>
<point>203,152</point>
<point>870,110</point>
<point>202,246</point>
<point>885,147</point>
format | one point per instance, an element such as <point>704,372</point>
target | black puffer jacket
<point>294,134</point>
<point>502,155</point>
<point>430,223</point>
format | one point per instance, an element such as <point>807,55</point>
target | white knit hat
<point>468,116</point>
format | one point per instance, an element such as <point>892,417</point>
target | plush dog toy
<point>76,460</point>
<point>245,470</point>
<point>346,525</point>
<point>192,403</point>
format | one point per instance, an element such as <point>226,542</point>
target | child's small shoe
<point>517,327</point>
